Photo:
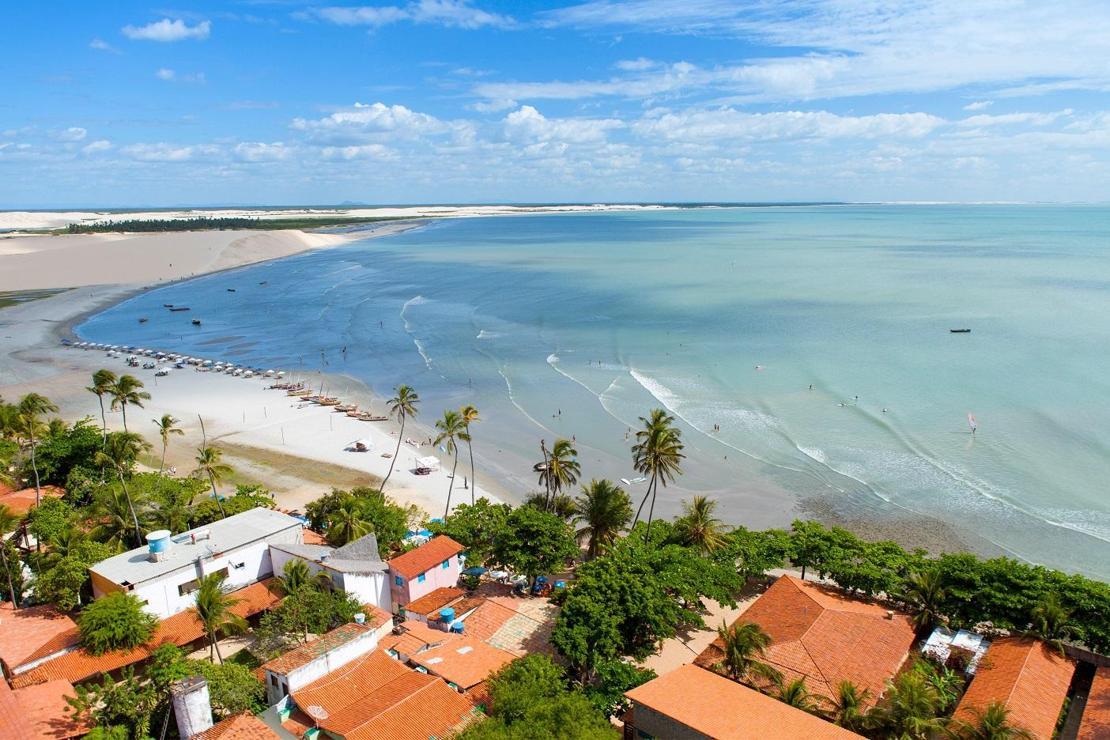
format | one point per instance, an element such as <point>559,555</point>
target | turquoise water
<point>578,324</point>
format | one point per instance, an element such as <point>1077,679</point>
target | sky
<point>280,102</point>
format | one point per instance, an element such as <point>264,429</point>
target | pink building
<point>435,564</point>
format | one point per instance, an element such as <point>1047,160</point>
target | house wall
<point>649,723</point>
<point>436,577</point>
<point>323,665</point>
<point>368,588</point>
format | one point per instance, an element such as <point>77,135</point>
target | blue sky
<point>130,104</point>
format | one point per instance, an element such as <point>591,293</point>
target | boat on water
<point>143,319</point>
<point>196,322</point>
<point>175,309</point>
<point>959,331</point>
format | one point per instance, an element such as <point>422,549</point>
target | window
<point>446,564</point>
<point>398,581</point>
<point>421,578</point>
<point>187,588</point>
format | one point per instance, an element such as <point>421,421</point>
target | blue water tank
<point>447,615</point>
<point>158,541</point>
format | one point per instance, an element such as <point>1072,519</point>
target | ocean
<point>816,338</point>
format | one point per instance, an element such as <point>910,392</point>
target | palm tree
<point>924,591</point>
<point>167,425</point>
<point>8,522</point>
<point>295,576</point>
<point>992,723</point>
<point>796,694</point>
<point>469,416</point>
<point>910,708</point>
<point>401,407</point>
<point>698,528</point>
<point>603,510</point>
<point>1051,621</point>
<point>559,470</point>
<point>657,454</point>
<point>174,510</point>
<point>744,643</point>
<point>849,706</point>
<point>214,611</point>
<point>102,382</point>
<point>210,462</point>
<point>32,408</point>
<point>451,429</point>
<point>116,514</point>
<point>127,390</point>
<point>120,451</point>
<point>347,524</point>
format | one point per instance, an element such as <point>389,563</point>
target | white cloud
<point>73,133</point>
<point>362,151</point>
<point>449,13</point>
<point>165,74</point>
<point>100,145</point>
<point>979,105</point>
<point>166,30</point>
<point>102,45</point>
<point>258,151</point>
<point>731,124</point>
<point>169,75</point>
<point>528,125</point>
<point>160,152</point>
<point>635,65</point>
<point>1009,119</point>
<point>363,123</point>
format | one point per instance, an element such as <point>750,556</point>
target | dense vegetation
<point>221,223</point>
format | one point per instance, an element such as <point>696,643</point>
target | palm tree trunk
<point>123,408</point>
<point>35,467</point>
<point>134,516</point>
<point>546,476</point>
<point>103,420</point>
<point>470,449</point>
<point>651,510</point>
<point>451,483</point>
<point>396,453</point>
<point>8,572</point>
<point>162,464</point>
<point>215,495</point>
<point>216,645</point>
<point>642,502</point>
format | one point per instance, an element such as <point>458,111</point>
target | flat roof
<point>135,566</point>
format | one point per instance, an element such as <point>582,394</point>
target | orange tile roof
<point>20,502</point>
<point>310,651</point>
<point>429,555</point>
<point>312,537</point>
<point>13,722</point>
<point>824,636</point>
<point>520,626</point>
<point>720,708</point>
<point>180,629</point>
<point>378,697</point>
<point>465,662</point>
<point>242,726</point>
<point>49,714</point>
<point>1096,716</point>
<point>1026,675</point>
<point>436,600</point>
<point>33,633</point>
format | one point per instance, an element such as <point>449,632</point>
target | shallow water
<point>579,323</point>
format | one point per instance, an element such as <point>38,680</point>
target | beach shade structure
<point>361,445</point>
<point>431,462</point>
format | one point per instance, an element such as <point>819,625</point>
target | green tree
<point>658,455</point>
<point>233,688</point>
<point>612,679</point>
<point>470,416</point>
<point>602,511</point>
<point>121,449</point>
<point>909,708</point>
<point>744,644</point>
<point>112,706</point>
<point>756,552</point>
<point>476,526</point>
<point>102,382</point>
<point>115,513</point>
<point>294,576</point>
<point>214,610</point>
<point>559,469</point>
<point>347,523</point>
<point>796,694</point>
<point>534,543</point>
<point>450,430</point>
<point>50,520</point>
<point>1050,621</point>
<point>113,622</point>
<point>810,545</point>
<point>167,426</point>
<point>698,527</point>
<point>992,723</point>
<point>64,580</point>
<point>32,408</point>
<point>924,593</point>
<point>402,406</point>
<point>8,523</point>
<point>65,447</point>
<point>127,390</point>
<point>210,463</point>
<point>848,707</point>
<point>246,497</point>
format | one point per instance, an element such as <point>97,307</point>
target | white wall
<point>325,664</point>
<point>369,588</point>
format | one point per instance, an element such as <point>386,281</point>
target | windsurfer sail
<point>972,423</point>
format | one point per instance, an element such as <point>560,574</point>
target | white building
<point>356,568</point>
<point>165,574</point>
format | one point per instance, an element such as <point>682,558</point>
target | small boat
<point>231,290</point>
<point>143,319</point>
<point>196,322</point>
<point>167,305</point>
<point>367,416</point>
<point>175,309</point>
<point>300,392</point>
<point>959,331</point>
<point>329,401</point>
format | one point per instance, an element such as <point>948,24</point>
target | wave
<point>512,400</point>
<point>486,334</point>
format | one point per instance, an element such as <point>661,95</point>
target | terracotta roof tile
<point>33,633</point>
<point>347,685</point>
<point>181,629</point>
<point>46,709</point>
<point>436,600</point>
<point>520,626</point>
<point>13,722</point>
<point>242,726</point>
<point>465,662</point>
<point>310,651</point>
<point>20,502</point>
<point>720,708</point>
<point>1026,675</point>
<point>424,558</point>
<point>1096,717</point>
<point>824,636</point>
<point>312,537</point>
